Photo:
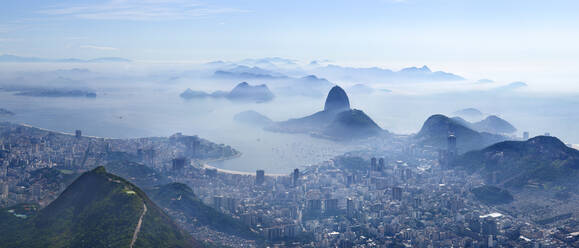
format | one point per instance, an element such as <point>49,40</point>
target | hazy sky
<point>444,34</point>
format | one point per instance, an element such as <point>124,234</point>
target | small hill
<point>538,161</point>
<point>190,94</point>
<point>469,113</point>
<point>252,118</point>
<point>180,199</point>
<point>352,124</point>
<point>241,92</point>
<point>98,209</point>
<point>245,92</point>
<point>494,124</point>
<point>436,128</point>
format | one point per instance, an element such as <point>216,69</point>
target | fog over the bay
<point>138,99</point>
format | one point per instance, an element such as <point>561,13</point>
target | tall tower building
<point>259,177</point>
<point>350,208</point>
<point>178,164</point>
<point>296,177</point>
<point>451,146</point>
<point>3,170</point>
<point>397,193</point>
<point>381,165</point>
<point>373,164</point>
<point>525,135</point>
<point>4,190</point>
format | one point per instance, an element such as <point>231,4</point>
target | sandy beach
<point>207,166</point>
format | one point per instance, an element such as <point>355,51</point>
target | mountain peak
<point>423,69</point>
<point>437,128</point>
<point>100,209</point>
<point>542,159</point>
<point>547,141</point>
<point>337,100</point>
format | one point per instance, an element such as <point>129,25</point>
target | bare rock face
<point>337,100</point>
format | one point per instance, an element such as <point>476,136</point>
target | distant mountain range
<point>437,128</point>
<point>241,92</point>
<point>337,121</point>
<point>245,72</point>
<point>18,59</point>
<point>510,87</point>
<point>537,162</point>
<point>98,209</point>
<point>310,86</point>
<point>372,74</point>
<point>289,79</point>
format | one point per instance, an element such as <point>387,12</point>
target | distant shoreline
<point>205,165</point>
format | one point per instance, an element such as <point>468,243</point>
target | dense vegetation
<point>492,195</point>
<point>97,210</point>
<point>122,164</point>
<point>540,161</point>
<point>180,198</point>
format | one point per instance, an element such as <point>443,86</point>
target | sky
<point>472,37</point>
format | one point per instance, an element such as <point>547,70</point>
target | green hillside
<point>537,162</point>
<point>180,198</point>
<point>97,210</point>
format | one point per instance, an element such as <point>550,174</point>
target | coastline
<point>233,172</point>
<point>203,163</point>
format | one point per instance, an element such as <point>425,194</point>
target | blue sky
<point>362,32</point>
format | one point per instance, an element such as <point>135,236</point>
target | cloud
<point>140,10</point>
<point>101,48</point>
